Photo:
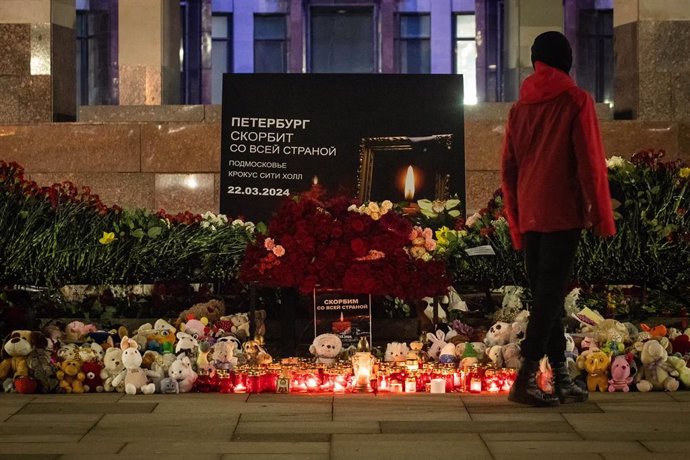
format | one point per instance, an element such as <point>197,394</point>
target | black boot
<point>567,390</point>
<point>525,390</point>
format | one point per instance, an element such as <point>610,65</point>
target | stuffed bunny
<point>436,343</point>
<point>136,378</point>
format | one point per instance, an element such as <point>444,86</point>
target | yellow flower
<point>684,173</point>
<point>441,235</point>
<point>108,237</point>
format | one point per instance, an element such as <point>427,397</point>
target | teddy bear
<point>608,329</point>
<point>93,383</point>
<point>596,363</point>
<point>40,363</point>
<point>254,354</point>
<point>511,356</point>
<point>223,354</point>
<point>498,334</point>
<point>436,343</point>
<point>112,366</point>
<point>17,346</point>
<point>70,376</point>
<point>326,348</point>
<point>212,310</point>
<point>681,367</point>
<point>195,327</point>
<point>416,352</point>
<point>621,373</point>
<point>157,363</point>
<point>186,344</point>
<point>469,356</point>
<point>495,355</point>
<point>136,379</point>
<point>396,352</point>
<point>656,372</point>
<point>76,331</point>
<point>181,372</point>
<point>90,353</point>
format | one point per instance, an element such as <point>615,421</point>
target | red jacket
<point>553,166</point>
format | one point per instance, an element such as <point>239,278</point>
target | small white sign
<point>485,250</point>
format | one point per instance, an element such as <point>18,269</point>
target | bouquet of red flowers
<point>336,243</point>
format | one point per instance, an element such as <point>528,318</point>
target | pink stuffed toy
<point>620,373</point>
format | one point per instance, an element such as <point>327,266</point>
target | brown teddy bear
<point>212,310</point>
<point>71,376</point>
<point>17,346</point>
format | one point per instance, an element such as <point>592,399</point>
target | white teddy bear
<point>326,348</point>
<point>396,352</point>
<point>112,366</point>
<point>498,334</point>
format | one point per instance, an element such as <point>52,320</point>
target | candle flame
<point>409,184</point>
<point>315,180</point>
<point>341,316</point>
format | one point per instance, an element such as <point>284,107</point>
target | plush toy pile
<point>165,357</point>
<point>206,350</point>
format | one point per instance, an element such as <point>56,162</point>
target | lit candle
<point>383,385</point>
<point>409,184</point>
<point>410,385</point>
<point>438,385</point>
<point>396,387</point>
<point>240,388</point>
<point>312,384</point>
<point>338,388</point>
<point>476,385</point>
<point>315,180</point>
<point>493,387</point>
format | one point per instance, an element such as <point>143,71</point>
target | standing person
<point>554,185</point>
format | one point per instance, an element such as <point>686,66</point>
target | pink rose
<point>279,251</point>
<point>269,244</point>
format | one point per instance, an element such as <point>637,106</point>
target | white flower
<point>473,219</point>
<point>353,208</point>
<point>615,162</point>
<point>205,224</point>
<point>386,206</point>
<point>238,222</point>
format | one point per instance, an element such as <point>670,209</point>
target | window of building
<point>93,41</point>
<point>413,43</point>
<point>466,54</point>
<point>595,60</point>
<point>342,40</point>
<point>221,54</point>
<point>270,43</point>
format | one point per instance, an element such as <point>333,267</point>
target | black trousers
<point>549,259</point>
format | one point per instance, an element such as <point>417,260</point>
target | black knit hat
<point>553,49</point>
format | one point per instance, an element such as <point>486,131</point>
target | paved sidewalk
<point>267,426</point>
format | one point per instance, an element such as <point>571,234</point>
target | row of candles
<point>345,378</point>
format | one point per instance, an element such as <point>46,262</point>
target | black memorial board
<point>346,315</point>
<point>357,134</point>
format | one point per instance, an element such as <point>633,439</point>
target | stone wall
<point>169,156</point>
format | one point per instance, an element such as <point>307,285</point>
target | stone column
<point>37,61</point>
<point>149,51</point>
<point>243,36</point>
<point>525,19</point>
<point>652,73</point>
<point>441,37</point>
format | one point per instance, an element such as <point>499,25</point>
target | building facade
<point>482,39</point>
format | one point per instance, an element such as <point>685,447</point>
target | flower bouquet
<point>370,248</point>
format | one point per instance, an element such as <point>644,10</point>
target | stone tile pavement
<point>397,427</point>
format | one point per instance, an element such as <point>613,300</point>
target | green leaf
<point>454,213</point>
<point>154,232</point>
<point>138,233</point>
<point>262,228</point>
<point>450,204</point>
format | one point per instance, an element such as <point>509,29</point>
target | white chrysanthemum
<point>615,162</point>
